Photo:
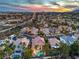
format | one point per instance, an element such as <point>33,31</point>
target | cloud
<point>68,4</point>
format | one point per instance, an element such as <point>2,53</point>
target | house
<point>2,42</point>
<point>69,39</point>
<point>54,42</point>
<point>69,29</point>
<point>29,32</point>
<point>24,41</point>
<point>25,29</point>
<point>38,41</point>
<point>45,31</point>
<point>34,31</point>
<point>13,38</point>
<point>76,34</point>
<point>20,41</point>
<point>37,45</point>
<point>54,30</point>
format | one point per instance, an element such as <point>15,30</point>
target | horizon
<point>39,5</point>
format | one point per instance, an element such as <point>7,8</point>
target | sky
<point>43,5</point>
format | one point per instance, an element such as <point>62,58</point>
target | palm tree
<point>64,50</point>
<point>27,53</point>
<point>46,48</point>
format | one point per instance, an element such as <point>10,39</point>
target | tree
<point>54,52</point>
<point>8,50</point>
<point>1,54</point>
<point>40,33</point>
<point>64,50</point>
<point>74,27</point>
<point>46,48</point>
<point>75,48</point>
<point>46,39</point>
<point>27,53</point>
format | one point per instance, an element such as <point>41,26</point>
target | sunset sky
<point>39,5</point>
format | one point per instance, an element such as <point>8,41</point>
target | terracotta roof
<point>38,41</point>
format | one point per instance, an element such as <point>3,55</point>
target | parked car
<point>17,54</point>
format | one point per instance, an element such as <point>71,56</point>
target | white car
<point>17,54</point>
